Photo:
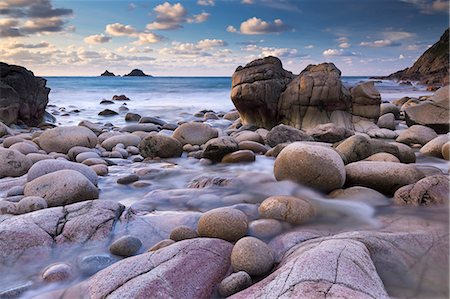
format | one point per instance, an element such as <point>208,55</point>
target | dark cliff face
<point>23,96</point>
<point>431,68</point>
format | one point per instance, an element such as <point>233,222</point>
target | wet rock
<point>446,151</point>
<point>247,136</point>
<point>30,204</point>
<point>159,145</point>
<point>91,264</point>
<point>194,133</point>
<point>217,148</point>
<point>91,126</point>
<point>240,156</point>
<point>125,139</point>
<point>433,113</point>
<point>210,115</point>
<point>313,166</point>
<point>161,244</point>
<point>329,133</point>
<point>126,180</point>
<point>206,181</point>
<point>406,154</point>
<point>16,290</point>
<point>106,102</point>
<point>432,190</point>
<point>386,108</point>
<point>231,116</point>
<point>57,272</point>
<point>252,256</point>
<point>265,228</point>
<point>255,147</point>
<point>153,120</point>
<point>86,155</point>
<point>48,166</point>
<point>382,157</point>
<point>338,268</point>
<point>416,135</point>
<point>62,187</point>
<point>76,150</point>
<point>385,177</point>
<point>140,127</point>
<point>62,139</point>
<point>125,246</point>
<point>183,232</point>
<point>360,194</point>
<point>387,121</point>
<point>34,234</point>
<point>434,146</point>
<point>223,223</point>
<point>286,134</point>
<point>132,117</point>
<point>121,97</point>
<point>234,283</point>
<point>108,112</point>
<point>287,208</point>
<point>204,261</point>
<point>13,163</point>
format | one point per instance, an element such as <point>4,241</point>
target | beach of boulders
<point>308,189</point>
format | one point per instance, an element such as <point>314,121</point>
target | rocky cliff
<point>107,74</point>
<point>23,97</point>
<point>431,68</point>
<point>265,95</point>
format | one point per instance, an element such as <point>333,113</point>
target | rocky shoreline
<point>354,203</point>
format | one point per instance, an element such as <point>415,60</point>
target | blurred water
<point>170,98</point>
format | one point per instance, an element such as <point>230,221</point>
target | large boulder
<point>23,97</point>
<point>61,188</point>
<point>194,133</point>
<point>432,190</point>
<point>385,177</point>
<point>256,89</point>
<point>314,166</point>
<point>314,97</point>
<point>62,139</point>
<point>433,113</point>
<point>217,148</point>
<point>160,145</point>
<point>286,134</point>
<point>13,163</point>
<point>366,101</point>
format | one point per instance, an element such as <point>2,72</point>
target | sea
<point>171,98</point>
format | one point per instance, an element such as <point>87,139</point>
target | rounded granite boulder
<point>287,208</point>
<point>125,246</point>
<point>13,163</point>
<point>62,139</point>
<point>61,188</point>
<point>253,256</point>
<point>194,133</point>
<point>223,223</point>
<point>314,166</point>
<point>159,145</point>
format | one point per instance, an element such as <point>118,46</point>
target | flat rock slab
<point>33,235</point>
<point>187,269</point>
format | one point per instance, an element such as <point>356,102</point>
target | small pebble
<point>234,283</point>
<point>125,246</point>
<point>128,179</point>
<point>182,233</point>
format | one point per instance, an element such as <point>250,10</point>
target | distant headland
<point>133,73</point>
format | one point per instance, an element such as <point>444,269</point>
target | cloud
<point>28,46</point>
<point>231,29</point>
<point>430,6</point>
<point>168,16</point>
<point>401,56</point>
<point>148,38</point>
<point>118,29</point>
<point>338,52</point>
<point>132,6</point>
<point>206,2</point>
<point>198,49</point>
<point>380,43</point>
<point>344,45</point>
<point>200,18</point>
<point>309,46</point>
<point>248,1</point>
<point>97,39</point>
<point>25,17</point>
<point>272,51</point>
<point>258,26</point>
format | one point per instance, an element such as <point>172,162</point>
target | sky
<point>213,37</point>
